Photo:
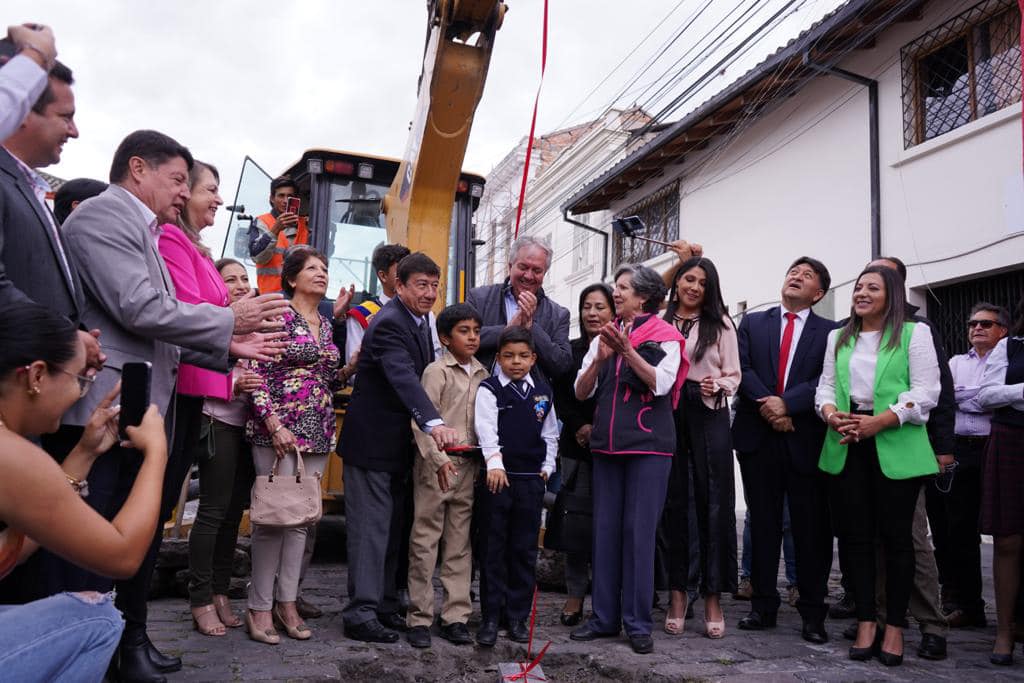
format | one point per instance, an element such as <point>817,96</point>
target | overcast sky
<point>230,78</point>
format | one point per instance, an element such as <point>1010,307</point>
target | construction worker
<point>274,233</point>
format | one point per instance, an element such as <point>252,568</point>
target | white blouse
<point>912,405</point>
<point>995,392</point>
<point>664,372</point>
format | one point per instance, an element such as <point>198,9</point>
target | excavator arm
<point>418,206</point>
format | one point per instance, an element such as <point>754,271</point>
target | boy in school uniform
<point>443,485</point>
<point>518,435</point>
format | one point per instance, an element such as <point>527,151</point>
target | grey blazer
<point>130,298</point>
<point>550,329</point>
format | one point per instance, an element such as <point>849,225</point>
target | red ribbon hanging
<point>525,669</point>
<point>533,122</point>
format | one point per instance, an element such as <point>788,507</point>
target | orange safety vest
<point>268,275</point>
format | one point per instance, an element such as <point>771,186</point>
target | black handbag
<point>570,522</point>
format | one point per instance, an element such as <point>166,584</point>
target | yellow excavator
<point>422,200</point>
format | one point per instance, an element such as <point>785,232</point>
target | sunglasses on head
<point>984,324</point>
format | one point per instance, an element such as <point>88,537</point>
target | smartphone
<point>135,382</point>
<point>293,205</point>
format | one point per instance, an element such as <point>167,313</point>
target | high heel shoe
<point>206,620</point>
<point>223,605</point>
<point>889,659</point>
<point>268,636</point>
<point>300,632</point>
<point>714,629</point>
<point>674,626</point>
<point>572,618</point>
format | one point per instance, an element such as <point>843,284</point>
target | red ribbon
<point>525,669</point>
<point>533,122</point>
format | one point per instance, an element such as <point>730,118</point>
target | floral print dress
<point>298,388</point>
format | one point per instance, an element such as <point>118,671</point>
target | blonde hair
<point>191,231</point>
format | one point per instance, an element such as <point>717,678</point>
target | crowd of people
<point>457,425</point>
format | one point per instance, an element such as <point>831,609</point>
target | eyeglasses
<point>84,382</point>
<point>984,324</point>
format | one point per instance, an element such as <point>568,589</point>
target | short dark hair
<point>516,334</point>
<point>387,254</point>
<point>152,147</point>
<point>417,262</point>
<point>59,72</point>
<point>77,190</point>
<point>221,264</point>
<point>32,332</point>
<point>455,314</point>
<point>282,181</point>
<point>901,267</point>
<point>1002,315</point>
<point>824,279</point>
<point>294,261</point>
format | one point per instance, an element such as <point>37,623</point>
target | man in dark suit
<point>376,445</point>
<point>520,300</point>
<point>778,439</point>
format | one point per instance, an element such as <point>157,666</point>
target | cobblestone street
<point>779,655</point>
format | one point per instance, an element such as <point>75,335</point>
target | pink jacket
<point>196,281</point>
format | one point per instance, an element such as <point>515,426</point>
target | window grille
<point>660,214</point>
<point>949,307</point>
<point>957,73</point>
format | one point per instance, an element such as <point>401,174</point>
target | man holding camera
<point>274,233</point>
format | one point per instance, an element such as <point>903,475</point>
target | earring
<point>34,391</point>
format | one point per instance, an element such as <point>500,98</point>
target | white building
<point>779,164</point>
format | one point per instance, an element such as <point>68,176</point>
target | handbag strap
<point>300,467</point>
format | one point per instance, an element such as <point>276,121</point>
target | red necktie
<point>787,341</point>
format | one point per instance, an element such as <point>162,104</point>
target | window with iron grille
<point>660,214</point>
<point>949,307</point>
<point>957,73</point>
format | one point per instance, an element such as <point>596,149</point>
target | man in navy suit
<point>778,439</point>
<point>376,445</point>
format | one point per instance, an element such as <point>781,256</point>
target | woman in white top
<point>879,381</point>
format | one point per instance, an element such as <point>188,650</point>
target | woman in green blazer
<point>879,382</point>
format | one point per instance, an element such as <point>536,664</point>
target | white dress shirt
<point>971,418</point>
<point>912,405</point>
<point>995,392</point>
<point>664,372</point>
<point>22,81</point>
<point>486,421</point>
<point>798,328</point>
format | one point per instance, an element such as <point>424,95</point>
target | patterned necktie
<point>787,341</point>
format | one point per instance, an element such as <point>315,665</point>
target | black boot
<point>132,663</point>
<point>165,663</point>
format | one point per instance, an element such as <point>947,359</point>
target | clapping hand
<point>345,297</point>
<point>616,338</point>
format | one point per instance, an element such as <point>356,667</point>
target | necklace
<point>684,324</point>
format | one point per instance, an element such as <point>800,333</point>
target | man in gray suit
<point>520,300</point>
<point>130,296</point>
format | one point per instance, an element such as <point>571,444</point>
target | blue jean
<point>65,637</point>
<point>788,551</point>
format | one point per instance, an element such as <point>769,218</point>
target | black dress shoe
<point>135,666</point>
<point>487,634</point>
<point>889,659</point>
<point>392,620</point>
<point>757,621</point>
<point>371,631</point>
<point>932,647</point>
<point>641,644</point>
<point>1001,659</point>
<point>518,631</point>
<point>307,610</point>
<point>456,634</point>
<point>814,632</point>
<point>589,632</point>
<point>861,654</point>
<point>572,618</point>
<point>844,609</point>
<point>418,636</point>
<point>163,662</point>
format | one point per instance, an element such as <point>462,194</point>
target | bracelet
<point>81,486</point>
<point>279,428</point>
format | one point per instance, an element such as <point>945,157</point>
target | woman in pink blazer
<point>196,281</point>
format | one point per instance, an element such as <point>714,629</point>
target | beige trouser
<point>277,552</point>
<point>924,597</point>
<point>441,516</point>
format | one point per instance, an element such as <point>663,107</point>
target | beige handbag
<point>286,500</point>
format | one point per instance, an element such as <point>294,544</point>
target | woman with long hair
<point>42,373</point>
<point>596,309</point>
<point>704,446</point>
<point>634,369</point>
<point>879,382</point>
<point>1002,510</point>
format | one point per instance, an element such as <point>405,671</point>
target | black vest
<point>520,420</point>
<point>1008,415</point>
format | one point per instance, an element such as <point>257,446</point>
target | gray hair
<point>527,241</point>
<point>646,283</point>
<point>1002,315</point>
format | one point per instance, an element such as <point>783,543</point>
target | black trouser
<point>942,544</point>
<point>509,527</point>
<point>225,480</point>
<point>132,593</point>
<point>769,475</point>
<point>963,508</point>
<point>869,505</point>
